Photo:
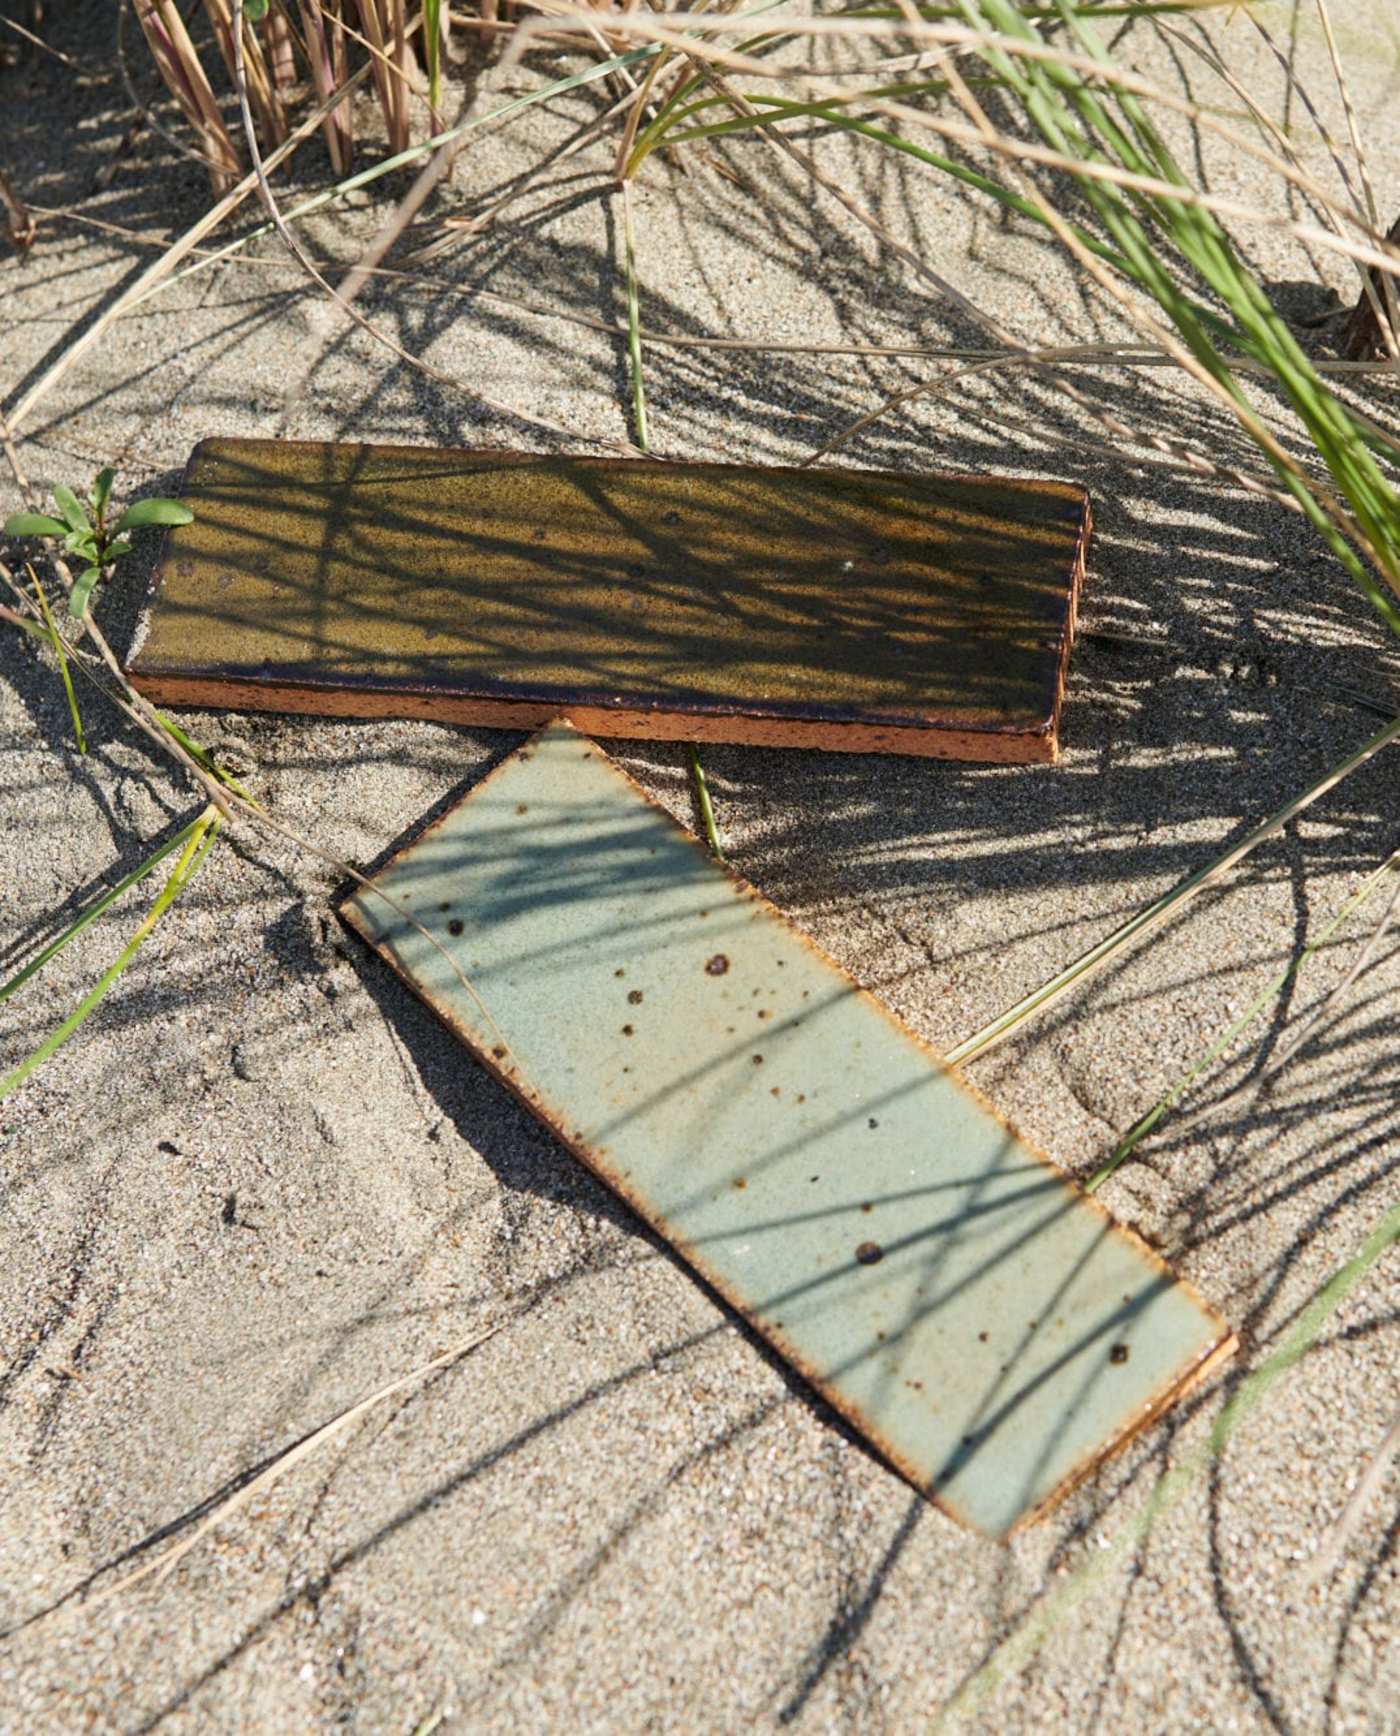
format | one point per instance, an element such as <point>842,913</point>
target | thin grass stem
<point>200,836</point>
<point>1141,1128</point>
<point>95,909</point>
<point>1153,915</point>
<point>702,801</point>
<point>160,1567</point>
<point>634,321</point>
<point>57,645</point>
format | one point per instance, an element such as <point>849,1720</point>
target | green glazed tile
<point>982,1322</point>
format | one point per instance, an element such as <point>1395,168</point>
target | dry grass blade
<point>661,28</point>
<point>1324,1563</point>
<point>325,53</point>
<point>344,303</point>
<point>1374,292</point>
<point>1177,454</point>
<point>1156,913</point>
<point>1145,1124</point>
<point>168,1559</point>
<point>1091,356</point>
<point>19,219</point>
<point>367,265</point>
<point>38,42</point>
<point>1202,365</point>
<point>1349,109</point>
<point>179,65</point>
<point>161,268</point>
<point>1267,124</point>
<point>1363,528</point>
<point>263,90</point>
<point>379,33</point>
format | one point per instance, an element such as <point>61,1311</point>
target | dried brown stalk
<point>183,71</point>
<point>1366,340</point>
<point>19,220</point>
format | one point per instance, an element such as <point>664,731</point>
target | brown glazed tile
<point>842,609</point>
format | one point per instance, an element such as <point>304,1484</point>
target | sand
<point>262,1181</point>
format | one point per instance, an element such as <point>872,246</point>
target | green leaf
<point>74,512</point>
<point>153,511</point>
<point>102,489</point>
<point>82,590</point>
<point>255,10</point>
<point>115,550</point>
<point>33,524</point>
<point>81,542</point>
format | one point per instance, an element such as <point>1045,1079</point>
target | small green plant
<point>90,534</point>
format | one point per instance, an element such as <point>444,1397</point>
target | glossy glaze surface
<point>856,601</point>
<point>981,1321</point>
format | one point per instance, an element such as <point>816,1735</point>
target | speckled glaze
<point>982,1322</point>
<point>828,608</point>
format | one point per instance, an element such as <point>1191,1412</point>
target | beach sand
<point>263,1181</point>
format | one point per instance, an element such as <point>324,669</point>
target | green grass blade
<point>639,413</point>
<point>95,909</point>
<point>63,669</point>
<point>200,836</point>
<point>203,758</point>
<point>703,802</point>
<point>634,322</point>
<point>1073,117</point>
<point>432,38</point>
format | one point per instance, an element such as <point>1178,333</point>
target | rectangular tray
<point>805,608</point>
<point>982,1322</point>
